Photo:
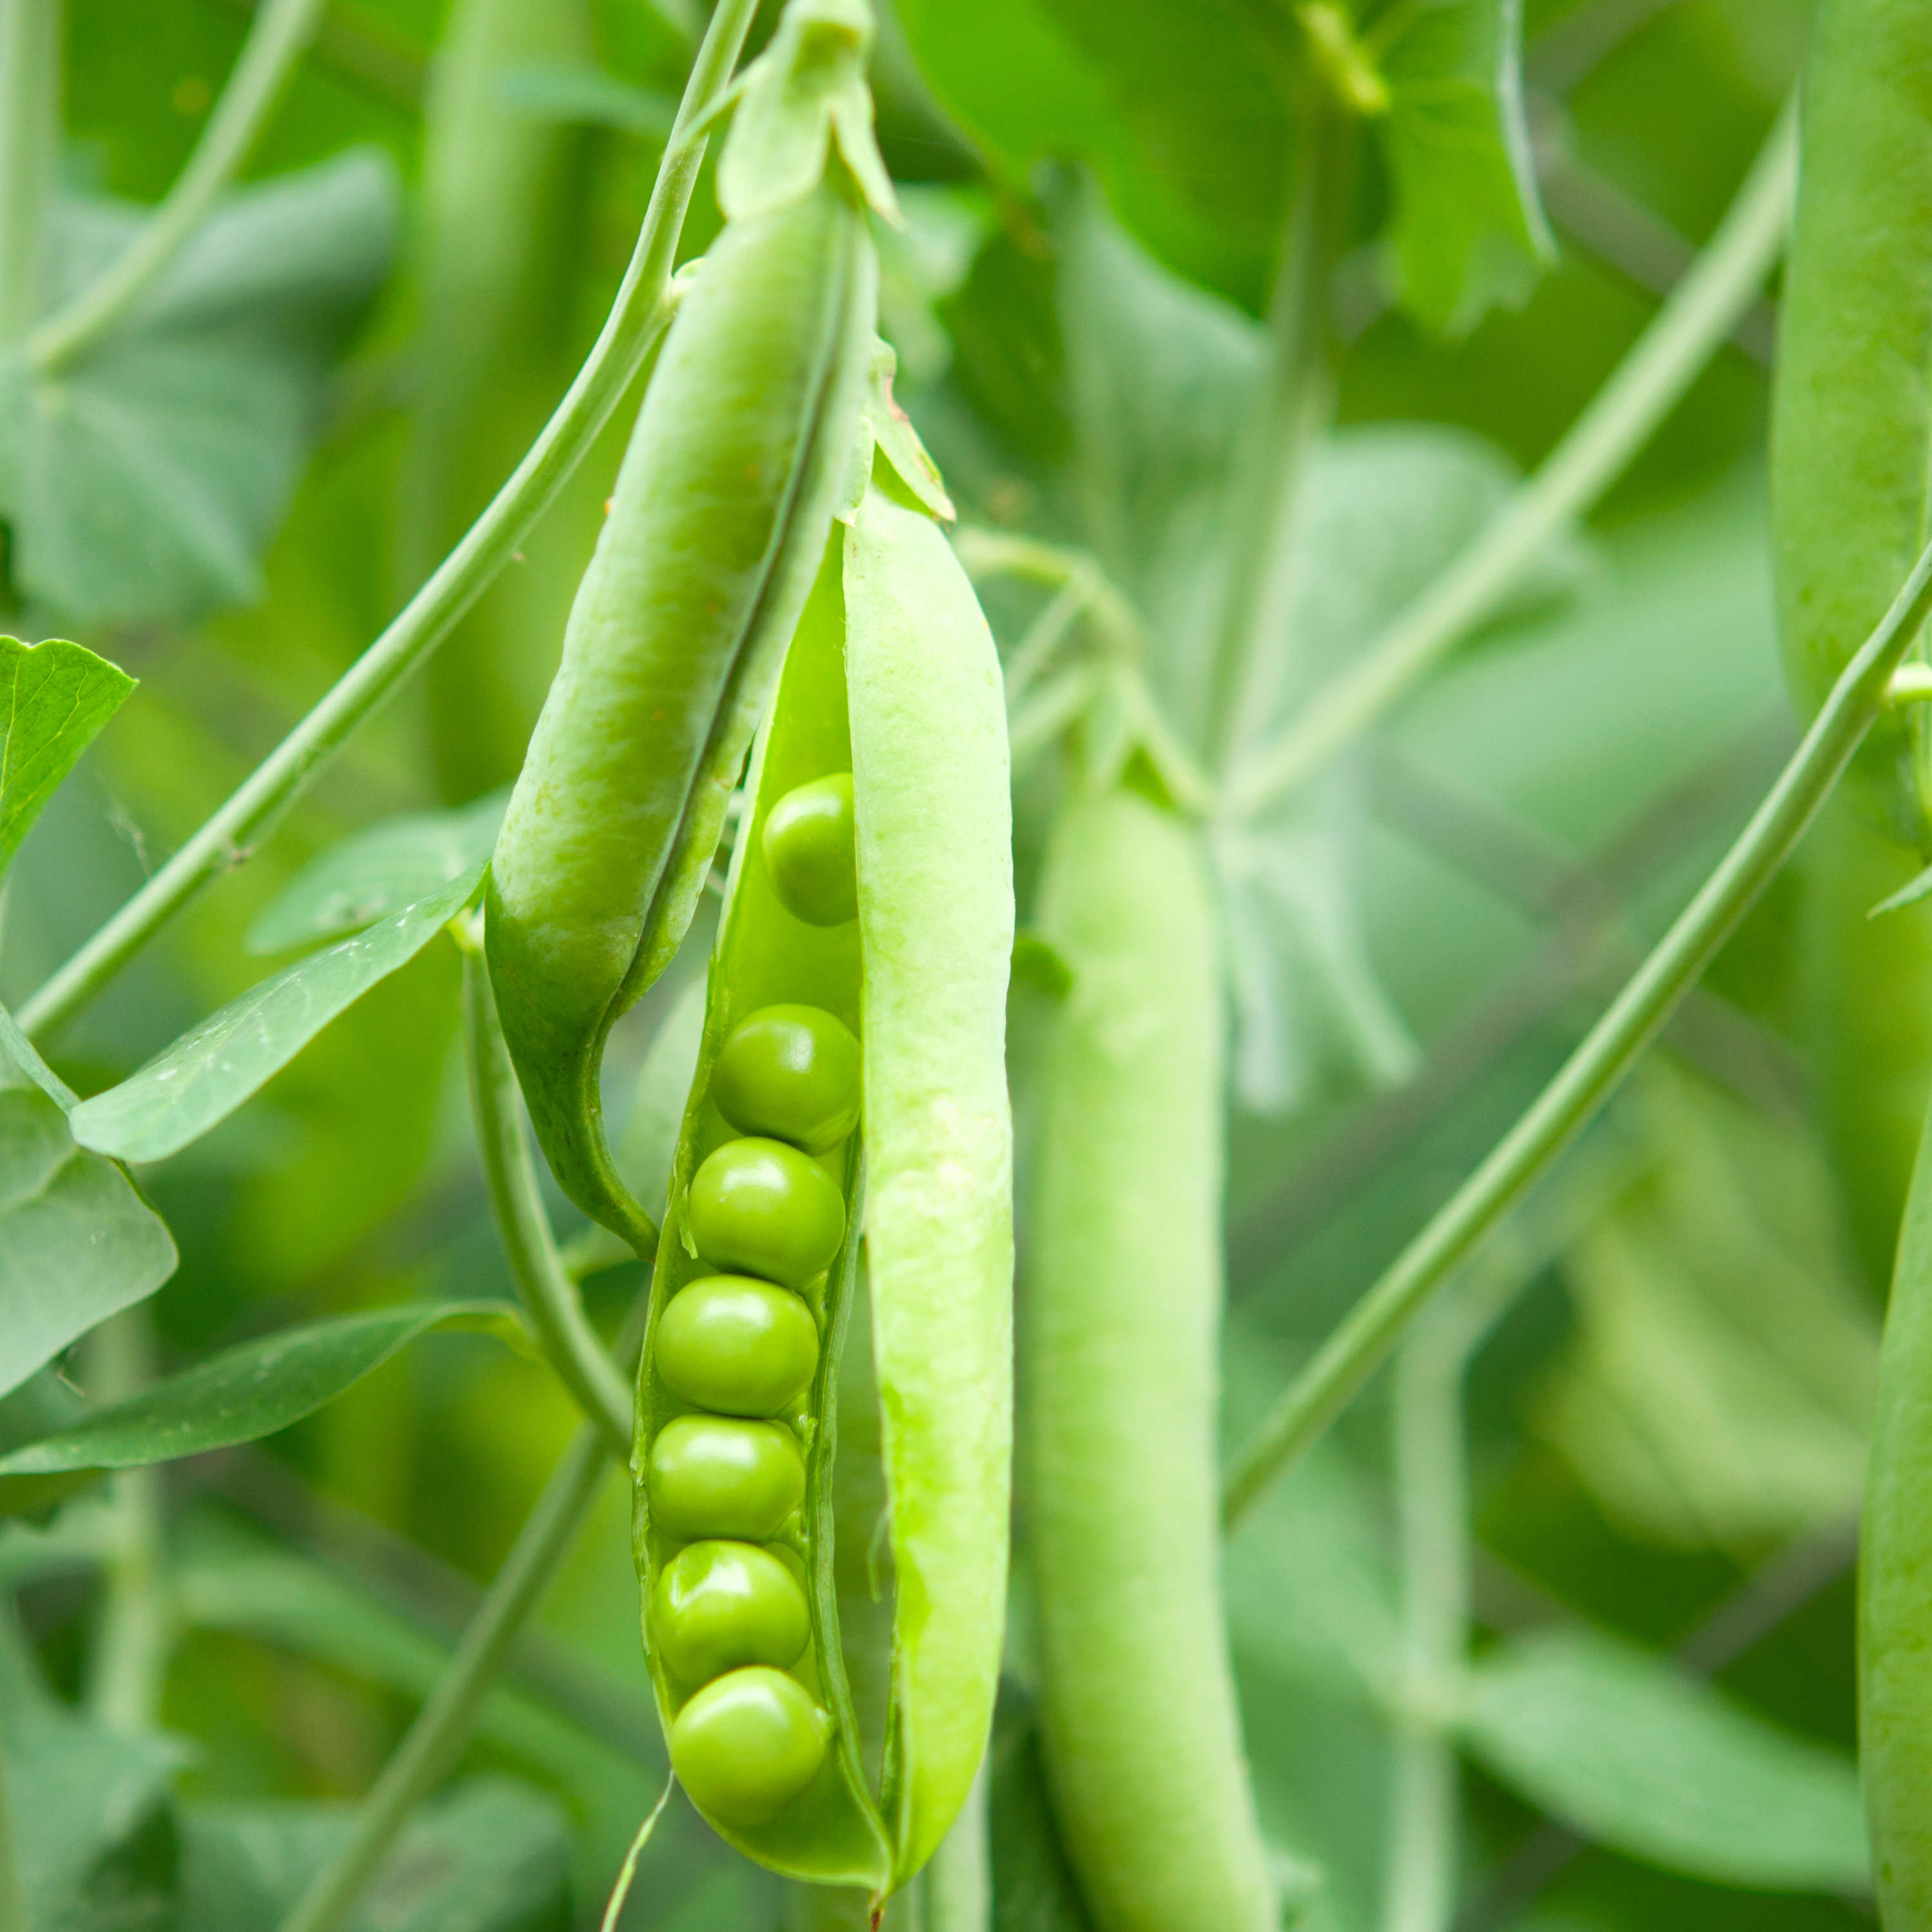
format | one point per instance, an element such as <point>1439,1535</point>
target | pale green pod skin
<point>716,531</point>
<point>1895,1585</point>
<point>1851,406</point>
<point>932,794</point>
<point>919,976</point>
<point>1120,1320</point>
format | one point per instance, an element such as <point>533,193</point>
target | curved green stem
<point>1593,1072</point>
<point>549,1294</point>
<point>229,837</point>
<point>30,78</point>
<point>281,31</point>
<point>1687,331</point>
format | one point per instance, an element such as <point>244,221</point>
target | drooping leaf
<point>492,1856</point>
<point>55,697</point>
<point>77,1243</point>
<point>1637,1753</point>
<point>238,1396</point>
<point>376,872</point>
<point>1468,231</point>
<point>205,1075</point>
<point>144,481</point>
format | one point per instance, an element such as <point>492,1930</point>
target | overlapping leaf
<point>55,697</point>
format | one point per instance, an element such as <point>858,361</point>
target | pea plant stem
<point>30,86</point>
<point>12,1898</point>
<point>549,1294</point>
<point>636,319</point>
<point>281,31</point>
<point>1270,469</point>
<point>1364,1337</point>
<point>1696,319</point>
<point>434,1739</point>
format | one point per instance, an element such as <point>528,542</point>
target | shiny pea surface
<point>746,1746</point>
<point>758,1207</point>
<point>720,1605</point>
<point>739,1346</point>
<point>811,852</point>
<point>791,1072</point>
<point>718,1476</point>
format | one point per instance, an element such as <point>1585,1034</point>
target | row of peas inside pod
<point>729,1615</point>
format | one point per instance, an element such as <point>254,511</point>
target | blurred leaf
<point>1039,964</point>
<point>205,1075</point>
<point>1724,1375</point>
<point>54,697</point>
<point>561,90</point>
<point>145,482</point>
<point>238,1396</point>
<point>77,1243</point>
<point>1469,231</point>
<point>492,1856</point>
<point>377,872</point>
<point>1637,1753</point>
<point>1033,1888</point>
<point>92,1828</point>
<point>1172,107</point>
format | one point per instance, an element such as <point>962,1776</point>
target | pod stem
<point>280,33</point>
<point>30,132</point>
<point>548,1294</point>
<point>433,1740</point>
<point>1364,1338</point>
<point>638,316</point>
<point>1687,332</point>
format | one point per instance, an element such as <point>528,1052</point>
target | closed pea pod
<point>717,527</point>
<point>1120,1330</point>
<point>1852,418</point>
<point>891,686</point>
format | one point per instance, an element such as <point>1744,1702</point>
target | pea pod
<point>1895,1584</point>
<point>1119,1336</point>
<point>741,454</point>
<point>889,705</point>
<point>1852,421</point>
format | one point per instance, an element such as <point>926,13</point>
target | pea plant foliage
<point>964,969</point>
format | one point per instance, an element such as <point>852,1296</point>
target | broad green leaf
<point>1721,1383</point>
<point>1634,1752</point>
<point>77,1243</point>
<point>55,697</point>
<point>492,1856</point>
<point>206,1075</point>
<point>92,1827</point>
<point>1469,231</point>
<point>376,872</point>
<point>144,481</point>
<point>238,1396</point>
<point>1168,105</point>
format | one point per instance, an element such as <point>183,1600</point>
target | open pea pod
<point>859,976</point>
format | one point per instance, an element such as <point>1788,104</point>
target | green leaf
<point>587,96</point>
<point>92,1826</point>
<point>144,481</point>
<point>376,872</point>
<point>1469,231</point>
<point>1033,1887</point>
<point>55,697</point>
<point>492,1856</point>
<point>1637,1753</point>
<point>77,1243</point>
<point>208,1073</point>
<point>238,1396</point>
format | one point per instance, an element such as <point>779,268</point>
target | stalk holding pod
<point>740,455</point>
<point>852,1079</point>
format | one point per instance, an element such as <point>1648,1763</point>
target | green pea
<point>764,1208</point>
<point>791,1073</point>
<point>810,852</point>
<point>745,1746</point>
<point>715,1476</point>
<point>720,1606</point>
<point>739,1346</point>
